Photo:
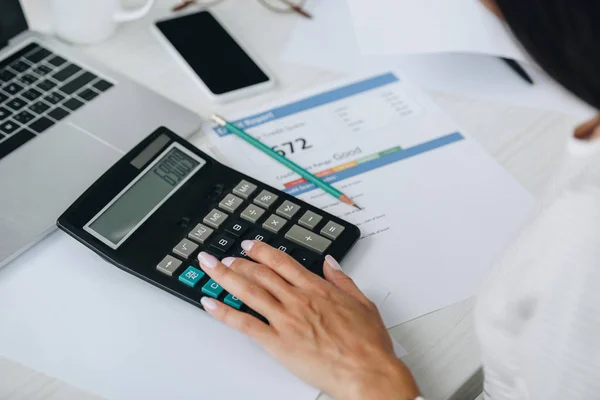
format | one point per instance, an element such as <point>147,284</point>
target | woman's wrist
<point>389,380</point>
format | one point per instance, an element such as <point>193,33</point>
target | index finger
<point>280,262</point>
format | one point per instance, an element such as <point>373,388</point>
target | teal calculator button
<point>212,288</point>
<point>191,276</point>
<point>233,301</point>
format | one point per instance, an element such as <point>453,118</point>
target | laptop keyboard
<point>37,89</point>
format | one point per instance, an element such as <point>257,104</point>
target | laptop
<point>64,120</point>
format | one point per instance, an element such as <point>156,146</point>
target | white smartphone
<point>224,70</point>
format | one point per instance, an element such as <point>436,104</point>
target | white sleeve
<point>538,317</point>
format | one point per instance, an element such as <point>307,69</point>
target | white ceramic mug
<point>91,21</point>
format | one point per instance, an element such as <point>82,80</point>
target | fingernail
<point>333,263</point>
<point>208,303</point>
<point>207,260</point>
<point>228,261</point>
<point>247,245</point>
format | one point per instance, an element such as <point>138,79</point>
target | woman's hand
<point>326,332</point>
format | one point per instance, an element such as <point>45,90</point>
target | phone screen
<point>212,53</point>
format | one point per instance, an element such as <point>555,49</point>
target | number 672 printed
<point>292,147</point>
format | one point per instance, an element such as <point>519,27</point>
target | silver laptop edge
<point>42,178</point>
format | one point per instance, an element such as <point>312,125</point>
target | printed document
<point>437,208</point>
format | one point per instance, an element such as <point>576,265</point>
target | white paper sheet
<point>473,75</point>
<point>66,312</point>
<point>431,26</point>
<point>436,212</point>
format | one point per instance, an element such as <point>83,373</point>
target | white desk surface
<point>443,353</point>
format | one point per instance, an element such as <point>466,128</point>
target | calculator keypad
<point>309,239</point>
<point>191,276</point>
<point>223,243</point>
<point>185,248</point>
<point>215,218</point>
<point>200,233</point>
<point>230,203</point>
<point>288,209</point>
<point>252,213</point>
<point>237,228</point>
<point>242,215</point>
<point>169,265</point>
<point>310,220</point>
<point>233,301</point>
<point>244,189</point>
<point>274,223</point>
<point>266,199</point>
<point>212,288</point>
<point>332,230</point>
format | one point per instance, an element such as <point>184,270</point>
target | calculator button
<point>252,213</point>
<point>200,233</point>
<point>230,203</point>
<point>305,257</point>
<point>212,288</point>
<point>168,265</point>
<point>233,301</point>
<point>223,243</point>
<point>288,209</point>
<point>236,227</point>
<point>265,199</point>
<point>259,235</point>
<point>284,246</point>
<point>215,218</point>
<point>242,254</point>
<point>332,230</point>
<point>185,248</point>
<point>308,239</point>
<point>191,276</point>
<point>244,189</point>
<point>310,220</point>
<point>274,223</point>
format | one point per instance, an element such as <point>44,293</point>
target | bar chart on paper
<point>368,163</point>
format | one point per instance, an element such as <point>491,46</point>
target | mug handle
<point>124,16</point>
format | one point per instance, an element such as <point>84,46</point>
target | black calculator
<point>165,201</point>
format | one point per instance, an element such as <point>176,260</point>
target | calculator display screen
<point>138,201</point>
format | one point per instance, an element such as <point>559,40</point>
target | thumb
<point>334,275</point>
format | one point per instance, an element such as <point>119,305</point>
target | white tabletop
<point>442,348</point>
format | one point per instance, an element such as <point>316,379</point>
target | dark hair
<point>563,36</point>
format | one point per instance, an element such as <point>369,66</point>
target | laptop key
<point>38,56</point>
<point>28,79</point>
<point>8,127</point>
<point>6,75</point>
<point>31,94</point>
<point>39,107</point>
<point>15,141</point>
<point>4,113</point>
<point>3,97</point>
<point>78,83</point>
<point>47,85</point>
<point>41,124</point>
<point>20,66</point>
<point>103,85</point>
<point>54,98</point>
<point>87,94</point>
<point>58,113</point>
<point>72,104</point>
<point>16,103</point>
<point>24,117</point>
<point>42,70</point>
<point>66,72</point>
<point>12,88</point>
<point>57,61</point>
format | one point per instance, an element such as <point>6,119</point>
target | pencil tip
<point>218,119</point>
<point>357,206</point>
